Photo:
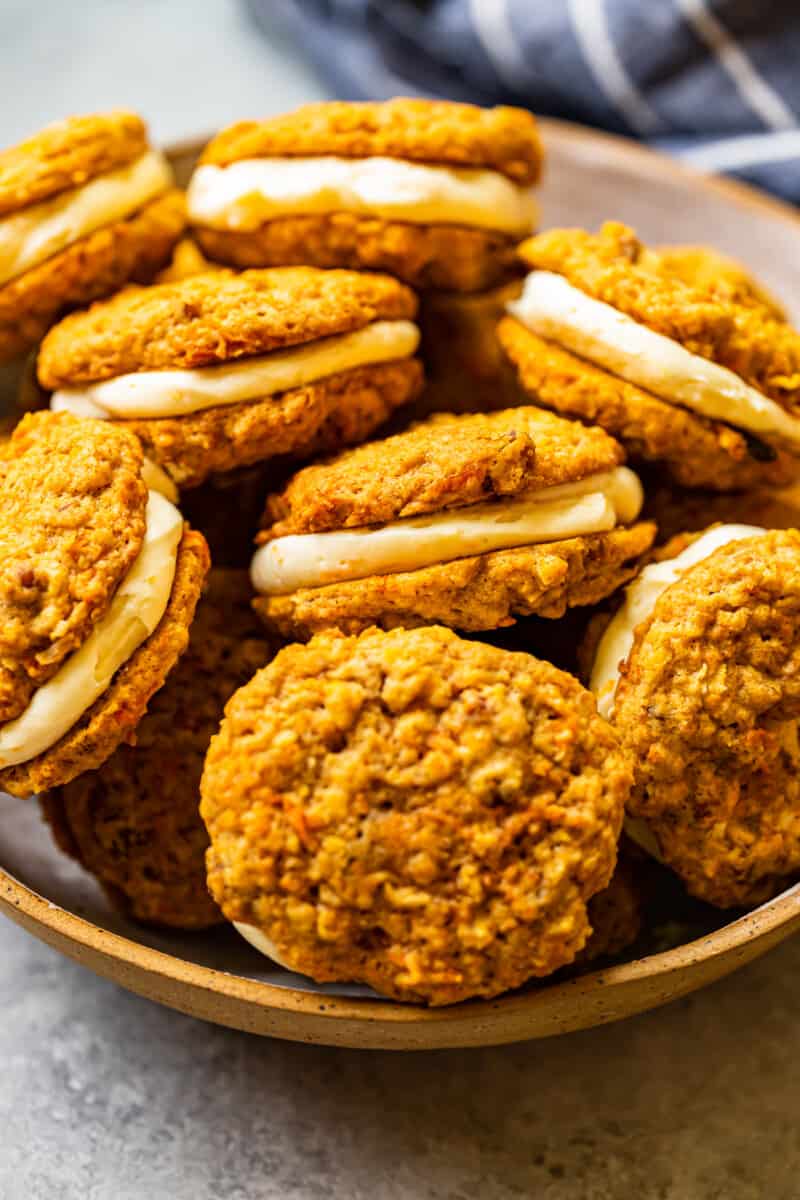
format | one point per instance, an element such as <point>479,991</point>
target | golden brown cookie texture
<point>427,256</point>
<point>129,251</point>
<point>135,822</point>
<point>412,811</point>
<point>707,706</point>
<point>613,266</point>
<point>695,451</point>
<point>66,155</point>
<point>187,259</point>
<point>214,318</point>
<point>423,256</point>
<point>444,462</point>
<point>113,718</point>
<point>432,131</point>
<point>72,521</point>
<point>58,161</point>
<point>321,417</point>
<point>485,591</point>
<point>707,269</point>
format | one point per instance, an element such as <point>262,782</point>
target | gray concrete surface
<point>106,1097</point>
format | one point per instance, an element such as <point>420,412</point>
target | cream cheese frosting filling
<point>259,941</point>
<point>593,505</point>
<point>138,605</point>
<point>169,393</point>
<point>156,479</point>
<point>36,233</point>
<point>244,195</point>
<point>640,601</point>
<point>552,308</point>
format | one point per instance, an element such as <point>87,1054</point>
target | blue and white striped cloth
<point>714,81</point>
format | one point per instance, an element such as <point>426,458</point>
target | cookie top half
<point>72,521</point>
<point>215,318</point>
<point>447,461</point>
<point>66,155</point>
<point>430,131</point>
<point>414,811</point>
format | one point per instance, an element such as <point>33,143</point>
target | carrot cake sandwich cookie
<point>86,205</point>
<point>467,521</point>
<point>99,577</point>
<point>704,380</point>
<point>410,810</point>
<point>135,822</point>
<point>219,371</point>
<point>434,192</point>
<point>699,672</point>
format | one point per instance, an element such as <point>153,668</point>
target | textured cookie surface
<point>696,451</point>
<point>708,706</point>
<point>487,591</point>
<point>444,462</point>
<point>707,269</point>
<point>131,250</point>
<point>444,257</point>
<point>423,814</point>
<point>435,131</point>
<point>212,318</point>
<point>66,155</point>
<point>113,718</point>
<point>72,521</point>
<point>135,822</point>
<point>319,418</point>
<point>614,266</point>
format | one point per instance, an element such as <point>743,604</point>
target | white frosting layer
<point>157,480</point>
<point>595,505</point>
<point>177,393</point>
<point>138,605</point>
<point>554,309</point>
<point>36,233</point>
<point>243,196</point>
<point>260,941</point>
<point>641,597</point>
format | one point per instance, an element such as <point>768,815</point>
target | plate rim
<point>400,1025</point>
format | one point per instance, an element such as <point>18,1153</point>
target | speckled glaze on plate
<point>216,976</point>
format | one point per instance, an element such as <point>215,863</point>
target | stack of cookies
<point>335,422</point>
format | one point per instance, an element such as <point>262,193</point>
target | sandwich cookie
<point>695,378</point>
<point>423,814</point>
<point>468,521</point>
<point>219,371</point>
<point>699,672</point>
<point>135,823</point>
<point>433,192</point>
<point>86,205</point>
<point>99,578</point>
